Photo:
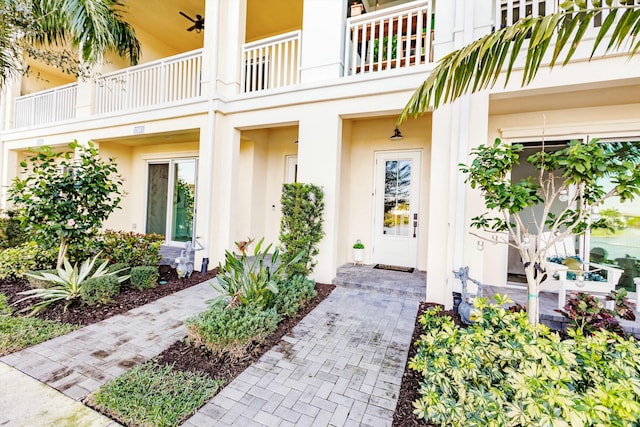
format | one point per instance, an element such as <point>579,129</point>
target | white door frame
<point>399,250</point>
<point>291,169</point>
<point>170,185</point>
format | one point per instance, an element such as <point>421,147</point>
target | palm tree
<point>46,29</point>
<point>478,65</point>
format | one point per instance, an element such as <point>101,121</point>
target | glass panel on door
<point>157,191</point>
<point>171,193</point>
<point>184,186</point>
<point>397,198</point>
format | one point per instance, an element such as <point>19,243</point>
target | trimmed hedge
<point>144,277</point>
<point>100,289</point>
<point>231,330</point>
<point>292,294</point>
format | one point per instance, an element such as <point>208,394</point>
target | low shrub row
<point>233,329</point>
<point>502,371</point>
<point>255,294</point>
<point>123,249</point>
<point>93,283</point>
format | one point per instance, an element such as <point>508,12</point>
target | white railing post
<point>46,107</point>
<point>271,63</point>
<point>390,38</point>
<point>168,80</point>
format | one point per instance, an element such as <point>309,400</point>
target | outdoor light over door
<point>397,135</point>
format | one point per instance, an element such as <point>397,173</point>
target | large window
<point>620,244</point>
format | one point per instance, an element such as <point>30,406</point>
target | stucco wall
<point>367,137</point>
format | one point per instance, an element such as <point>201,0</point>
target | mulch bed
<point>129,298</point>
<point>186,357</point>
<point>403,416</point>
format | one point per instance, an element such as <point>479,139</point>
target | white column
<point>319,157</point>
<point>223,196</point>
<point>86,94</point>
<point>323,29</point>
<point>232,24</point>
<point>210,47</point>
<point>9,94</point>
<point>441,243</point>
<point>204,192</point>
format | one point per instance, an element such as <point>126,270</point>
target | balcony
<point>509,11</point>
<point>271,63</point>
<point>393,38</point>
<point>168,80</point>
<point>46,107</point>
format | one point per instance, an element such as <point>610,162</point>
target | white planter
<point>358,255</point>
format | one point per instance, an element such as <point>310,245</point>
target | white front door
<point>397,200</point>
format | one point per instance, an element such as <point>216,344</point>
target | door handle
<point>415,224</point>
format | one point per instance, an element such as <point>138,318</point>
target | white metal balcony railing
<point>172,79</point>
<point>396,37</point>
<point>49,106</point>
<point>271,63</point>
<point>509,11</point>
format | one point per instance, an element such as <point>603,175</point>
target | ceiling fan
<point>198,23</point>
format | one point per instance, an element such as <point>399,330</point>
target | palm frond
<point>479,65</point>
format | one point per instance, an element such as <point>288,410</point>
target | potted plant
<point>358,252</point>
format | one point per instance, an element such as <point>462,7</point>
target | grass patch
<point>17,332</point>
<point>153,394</point>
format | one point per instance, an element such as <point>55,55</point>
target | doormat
<point>394,268</point>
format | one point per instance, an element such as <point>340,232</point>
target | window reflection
<point>397,206</point>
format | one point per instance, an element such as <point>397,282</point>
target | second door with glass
<point>397,199</point>
<point>171,190</point>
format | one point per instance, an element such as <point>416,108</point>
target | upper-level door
<point>171,189</point>
<point>397,200</point>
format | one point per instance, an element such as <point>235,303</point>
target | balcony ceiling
<point>266,18</point>
<point>162,21</point>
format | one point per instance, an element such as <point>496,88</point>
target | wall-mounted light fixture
<point>397,135</point>
<point>563,196</point>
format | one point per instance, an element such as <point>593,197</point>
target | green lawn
<point>18,332</point>
<point>154,394</point>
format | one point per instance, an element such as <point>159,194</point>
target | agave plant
<point>67,283</point>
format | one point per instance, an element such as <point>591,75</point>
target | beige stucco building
<point>214,120</point>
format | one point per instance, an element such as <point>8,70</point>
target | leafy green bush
<point>246,280</point>
<point>231,330</point>
<point>35,280</point>
<point>154,395</point>
<point>292,294</point>
<point>144,277</point>
<point>134,249</point>
<point>16,262</point>
<point>502,370</point>
<point>99,289</point>
<point>11,232</point>
<point>588,314</point>
<point>301,226</point>
<point>68,283</point>
<point>65,195</point>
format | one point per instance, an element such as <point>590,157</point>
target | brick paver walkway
<point>81,361</point>
<point>341,366</point>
